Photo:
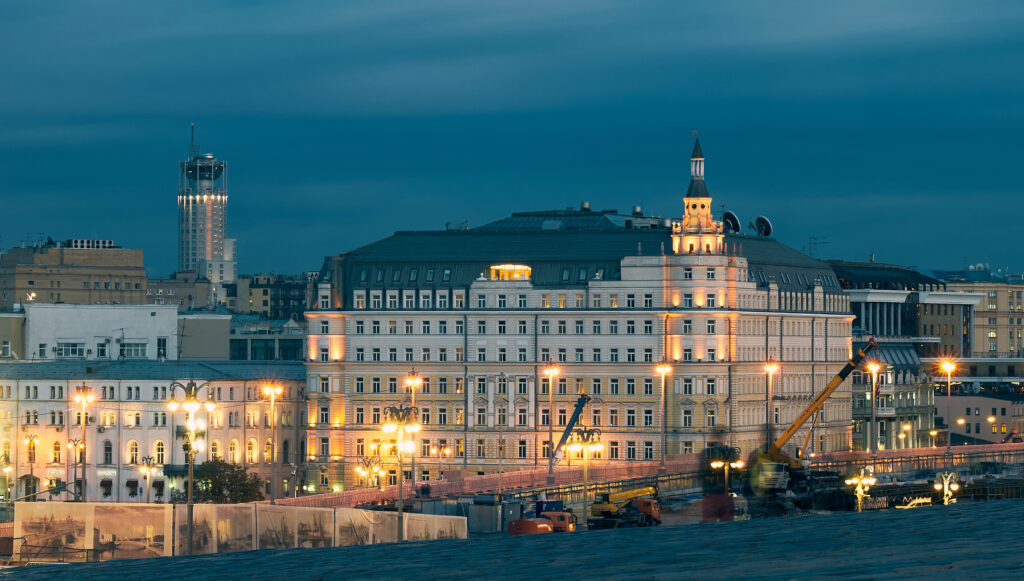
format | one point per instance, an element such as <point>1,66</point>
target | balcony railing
<point>885,412</point>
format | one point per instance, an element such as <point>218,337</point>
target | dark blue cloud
<point>887,127</point>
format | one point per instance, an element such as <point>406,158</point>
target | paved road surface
<point>963,541</point>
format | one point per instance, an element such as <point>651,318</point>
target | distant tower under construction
<point>202,218</point>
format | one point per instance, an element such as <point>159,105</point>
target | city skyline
<point>344,124</point>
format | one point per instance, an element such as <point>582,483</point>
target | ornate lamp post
<point>7,491</point>
<point>720,464</point>
<point>273,392</point>
<point>663,370</point>
<point>551,372</point>
<point>770,368</point>
<point>948,367</point>
<point>873,367</point>
<point>440,453</point>
<point>948,486</point>
<point>148,468</point>
<point>401,420</point>
<point>77,448</point>
<point>863,483</point>
<point>370,468</point>
<point>413,382</point>
<point>588,441</point>
<point>84,397</point>
<point>30,443</point>
<point>193,438</point>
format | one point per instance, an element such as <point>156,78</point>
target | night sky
<point>885,127</point>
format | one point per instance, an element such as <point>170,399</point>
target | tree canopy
<point>220,482</point>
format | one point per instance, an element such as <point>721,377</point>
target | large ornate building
<point>478,314</point>
<point>128,421</point>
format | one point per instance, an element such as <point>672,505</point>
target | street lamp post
<point>948,366</point>
<point>501,403</point>
<point>721,464</point>
<point>401,420</point>
<point>873,367</point>
<point>370,468</point>
<point>440,453</point>
<point>413,381</point>
<point>663,370</point>
<point>864,481</point>
<point>770,368</point>
<point>948,486</point>
<point>551,372</point>
<point>76,447</point>
<point>193,442</point>
<point>7,491</point>
<point>30,443</point>
<point>84,397</point>
<point>148,467</point>
<point>587,440</point>
<point>273,392</point>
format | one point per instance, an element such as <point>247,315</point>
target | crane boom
<point>775,450</point>
<point>556,454</point>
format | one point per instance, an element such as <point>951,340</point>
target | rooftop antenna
<point>193,148</point>
<point>816,242</point>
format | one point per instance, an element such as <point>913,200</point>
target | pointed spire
<point>697,153</point>
<point>697,187</point>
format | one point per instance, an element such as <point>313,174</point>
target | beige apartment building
<point>999,319</point>
<point>479,314</point>
<point>73,271</point>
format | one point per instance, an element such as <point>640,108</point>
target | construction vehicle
<point>630,508</point>
<point>547,516</point>
<point>559,450</point>
<point>773,469</point>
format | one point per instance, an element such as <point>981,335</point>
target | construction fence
<point>73,532</point>
<point>455,484</point>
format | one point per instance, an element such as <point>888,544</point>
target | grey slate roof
<point>697,151</point>
<point>154,370</point>
<point>584,244</point>
<point>697,189</point>
<point>867,275</point>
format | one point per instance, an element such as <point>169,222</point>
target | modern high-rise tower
<point>202,218</point>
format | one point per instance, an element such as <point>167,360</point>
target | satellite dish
<point>730,222</point>
<point>763,226</point>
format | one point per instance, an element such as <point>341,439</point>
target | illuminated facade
<point>129,420</point>
<point>480,313</point>
<point>202,219</point>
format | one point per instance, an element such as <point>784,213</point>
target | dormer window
<point>510,272</point>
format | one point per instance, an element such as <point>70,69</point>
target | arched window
<point>55,458</point>
<point>284,452</point>
<point>215,450</point>
<point>250,451</point>
<point>108,452</point>
<point>268,451</point>
<point>233,452</point>
<point>31,450</point>
<point>133,452</point>
<point>159,452</point>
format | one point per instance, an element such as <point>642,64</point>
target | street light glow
<point>947,366</point>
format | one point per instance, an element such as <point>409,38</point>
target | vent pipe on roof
<point>637,211</point>
<point>585,206</point>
